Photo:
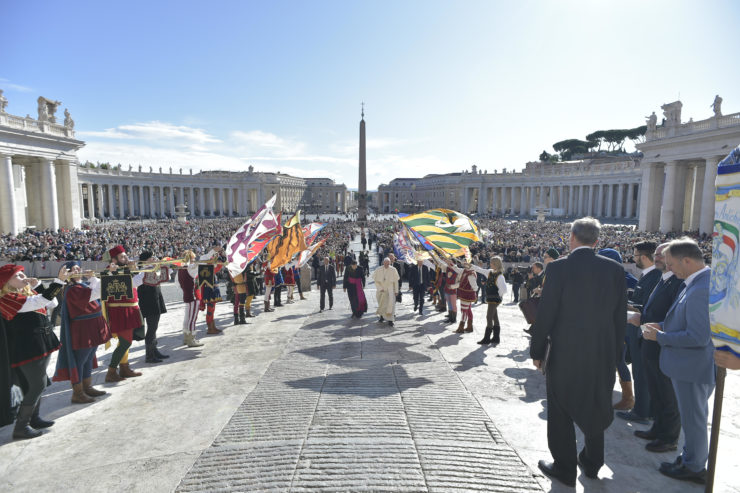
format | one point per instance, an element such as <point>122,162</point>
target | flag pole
<point>719,391</point>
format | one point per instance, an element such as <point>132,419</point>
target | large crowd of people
<point>90,317</point>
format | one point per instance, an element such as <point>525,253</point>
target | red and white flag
<point>252,237</point>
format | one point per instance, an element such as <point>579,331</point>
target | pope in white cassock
<point>386,285</point>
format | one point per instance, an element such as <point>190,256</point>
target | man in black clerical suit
<point>419,280</point>
<point>326,281</point>
<point>583,310</point>
<point>643,255</point>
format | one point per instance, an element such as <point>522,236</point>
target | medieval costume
<point>354,282</point>
<point>83,329</point>
<point>191,296</point>
<point>27,331</point>
<point>123,316</point>
<point>386,284</point>
<point>151,304</point>
<point>467,294</point>
<point>450,290</point>
<point>269,285</point>
<point>245,287</point>
<point>288,280</point>
<point>278,287</point>
<point>494,291</point>
<point>297,277</point>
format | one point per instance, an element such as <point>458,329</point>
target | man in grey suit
<point>583,310</point>
<point>686,356</point>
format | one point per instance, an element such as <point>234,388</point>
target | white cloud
<point>259,142</point>
<point>6,84</point>
<point>154,130</point>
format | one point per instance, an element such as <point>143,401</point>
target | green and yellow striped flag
<point>449,231</point>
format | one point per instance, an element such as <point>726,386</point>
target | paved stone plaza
<point>300,400</point>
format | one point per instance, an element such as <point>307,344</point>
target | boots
<point>150,356</point>
<point>89,390</point>
<point>469,328</point>
<point>79,396</point>
<point>248,314</point>
<point>38,422</point>
<point>303,297</point>
<point>126,372</point>
<point>628,397</point>
<point>236,319</point>
<point>157,353</point>
<point>22,428</point>
<point>496,334</point>
<point>267,306</point>
<point>113,376</point>
<point>460,328</point>
<point>486,337</point>
<point>190,341</point>
<point>451,317</point>
<point>242,316</point>
<point>212,327</point>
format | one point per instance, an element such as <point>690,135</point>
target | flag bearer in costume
<point>211,295</point>
<point>288,280</point>
<point>240,296</point>
<point>123,317</point>
<point>386,283</point>
<point>30,341</point>
<point>277,289</point>
<point>269,285</point>
<point>83,329</point>
<point>438,289</point>
<point>354,282</point>
<point>151,303</point>
<point>191,295</point>
<point>467,294</point>
<point>450,290</point>
<point>297,277</point>
<point>494,291</point>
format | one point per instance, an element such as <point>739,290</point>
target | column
<point>191,201</point>
<point>706,218</point>
<point>697,198</point>
<point>668,209</point>
<point>141,201</point>
<point>552,198</point>
<point>8,221</point>
<point>533,192</point>
<point>523,202</point>
<point>171,201</point>
<point>90,201</point>
<point>581,201</point>
<point>99,202</point>
<point>512,199</point>
<point>620,193</point>
<point>201,201</point>
<point>50,211</point>
<point>161,201</point>
<point>130,196</point>
<point>609,200</point>
<point>229,201</point>
<point>180,196</point>
<point>631,200</point>
<point>494,200</point>
<point>121,205</point>
<point>152,204</point>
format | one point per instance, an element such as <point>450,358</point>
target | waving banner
<point>447,230</point>
<point>251,238</point>
<point>724,288</point>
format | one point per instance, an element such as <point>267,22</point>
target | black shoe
<point>589,471</point>
<point>390,323</point>
<point>685,474</point>
<point>381,320</point>
<point>672,465</point>
<point>160,355</point>
<point>421,312</point>
<point>646,434</point>
<point>486,337</point>
<point>415,307</point>
<point>37,422</point>
<point>659,446</point>
<point>630,416</point>
<point>551,470</point>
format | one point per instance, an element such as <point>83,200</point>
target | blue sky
<point>278,84</point>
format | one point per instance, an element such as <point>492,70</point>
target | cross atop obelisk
<point>362,186</point>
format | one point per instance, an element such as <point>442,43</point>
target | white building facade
<point>43,185</point>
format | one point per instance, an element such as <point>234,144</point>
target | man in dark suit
<point>327,281</point>
<point>643,255</point>
<point>583,310</point>
<point>686,356</point>
<point>419,280</point>
<point>667,422</point>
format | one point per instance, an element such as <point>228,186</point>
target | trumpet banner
<point>445,229</point>
<point>724,287</point>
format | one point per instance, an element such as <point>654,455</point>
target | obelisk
<point>362,187</point>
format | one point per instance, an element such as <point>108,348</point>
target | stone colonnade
<point>606,200</point>
<point>680,195</point>
<point>119,201</point>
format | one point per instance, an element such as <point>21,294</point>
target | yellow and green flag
<point>447,230</point>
